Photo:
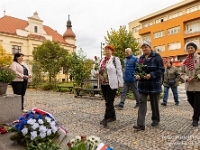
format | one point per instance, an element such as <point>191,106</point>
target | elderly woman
<point>190,70</point>
<point>110,75</point>
<point>19,84</point>
<point>149,85</point>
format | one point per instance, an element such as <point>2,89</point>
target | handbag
<point>171,82</point>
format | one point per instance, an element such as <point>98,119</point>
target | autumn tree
<point>120,40</point>
<point>5,58</point>
<point>49,58</point>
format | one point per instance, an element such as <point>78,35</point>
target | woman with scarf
<point>191,76</point>
<point>110,75</point>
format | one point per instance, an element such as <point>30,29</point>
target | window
<point>192,9</point>
<point>35,29</point>
<point>136,29</point>
<point>147,24</point>
<point>175,15</point>
<point>192,28</point>
<point>16,49</point>
<point>173,30</point>
<point>158,34</point>
<point>160,48</point>
<point>174,46</point>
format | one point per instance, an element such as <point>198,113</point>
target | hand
<point>26,77</point>
<point>30,76</point>
<point>190,79</point>
<point>137,77</point>
<point>148,76</point>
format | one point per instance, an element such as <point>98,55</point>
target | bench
<point>60,87</point>
<point>86,85</point>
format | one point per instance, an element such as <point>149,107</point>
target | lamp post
<point>101,48</point>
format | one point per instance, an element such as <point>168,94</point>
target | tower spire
<point>69,24</point>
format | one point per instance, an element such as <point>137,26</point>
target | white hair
<point>129,49</point>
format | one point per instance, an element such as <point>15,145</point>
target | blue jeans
<point>126,87</point>
<point>166,93</point>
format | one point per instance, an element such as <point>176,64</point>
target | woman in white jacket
<point>19,84</point>
<point>110,75</point>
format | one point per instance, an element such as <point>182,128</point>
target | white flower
<point>40,121</point>
<point>42,129</point>
<point>33,135</point>
<point>24,131</point>
<point>48,119</point>
<point>35,126</point>
<point>198,76</point>
<point>42,134</point>
<point>53,123</point>
<point>54,129</point>
<point>31,121</point>
<point>49,132</point>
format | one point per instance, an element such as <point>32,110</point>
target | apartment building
<point>169,29</point>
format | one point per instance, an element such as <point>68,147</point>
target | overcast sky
<point>91,19</point>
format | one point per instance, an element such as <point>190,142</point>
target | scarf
<point>103,64</point>
<point>189,62</point>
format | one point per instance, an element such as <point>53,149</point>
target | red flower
<point>95,57</point>
<point>2,130</point>
<point>83,138</point>
<point>69,144</point>
<point>141,61</point>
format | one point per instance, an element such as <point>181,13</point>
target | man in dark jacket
<point>149,85</point>
<point>129,80</point>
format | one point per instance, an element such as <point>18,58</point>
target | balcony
<point>191,31</point>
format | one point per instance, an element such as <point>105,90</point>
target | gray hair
<point>129,49</point>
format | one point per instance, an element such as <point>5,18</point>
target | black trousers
<point>109,95</point>
<point>95,92</point>
<point>194,100</point>
<point>19,88</point>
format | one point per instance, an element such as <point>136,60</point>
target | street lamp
<point>102,48</point>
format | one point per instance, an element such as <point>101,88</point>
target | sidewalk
<point>81,116</point>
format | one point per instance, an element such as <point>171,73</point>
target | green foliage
<point>49,58</point>
<point>6,75</point>
<point>5,59</point>
<point>140,72</point>
<point>120,40</point>
<point>80,67</point>
<point>48,86</point>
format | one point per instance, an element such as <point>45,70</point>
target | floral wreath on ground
<point>87,143</point>
<point>37,130</point>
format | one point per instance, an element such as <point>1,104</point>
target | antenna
<point>4,10</point>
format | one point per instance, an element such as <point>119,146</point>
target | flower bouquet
<point>36,130</point>
<point>87,143</point>
<point>97,62</point>
<point>140,70</point>
<point>197,76</point>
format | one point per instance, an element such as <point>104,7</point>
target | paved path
<point>81,116</point>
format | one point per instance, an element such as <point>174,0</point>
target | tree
<point>49,57</point>
<point>120,40</point>
<point>80,66</point>
<point>5,59</point>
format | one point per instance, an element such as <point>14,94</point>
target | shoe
<point>24,111</point>
<point>195,123</point>
<point>139,127</point>
<point>177,103</point>
<point>164,104</point>
<point>104,122</point>
<point>136,106</point>
<point>111,119</point>
<point>154,123</point>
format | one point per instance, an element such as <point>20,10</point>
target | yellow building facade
<point>169,29</point>
<point>17,35</point>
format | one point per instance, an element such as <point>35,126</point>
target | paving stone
<point>81,116</point>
